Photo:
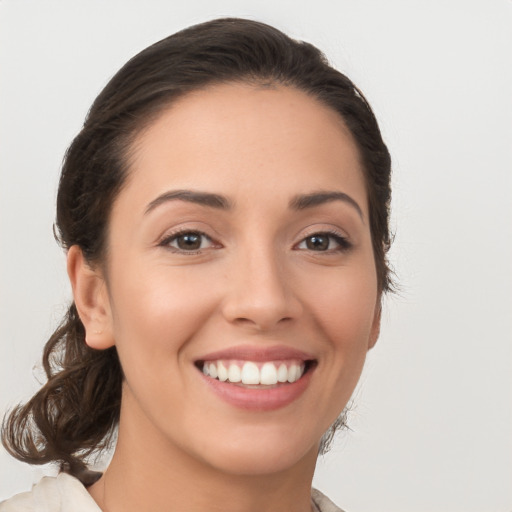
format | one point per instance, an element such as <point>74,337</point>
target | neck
<point>144,476</point>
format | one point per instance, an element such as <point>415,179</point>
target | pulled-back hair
<point>76,412</point>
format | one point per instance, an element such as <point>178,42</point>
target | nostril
<point>261,304</point>
<point>262,323</point>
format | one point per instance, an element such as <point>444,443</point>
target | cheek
<point>343,305</point>
<point>342,308</point>
<point>156,314</point>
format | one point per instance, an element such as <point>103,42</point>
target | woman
<point>225,215</point>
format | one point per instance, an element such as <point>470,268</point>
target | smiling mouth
<point>257,374</point>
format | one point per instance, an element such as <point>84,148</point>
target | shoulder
<point>321,502</point>
<point>63,493</point>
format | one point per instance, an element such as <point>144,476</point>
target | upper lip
<point>258,353</point>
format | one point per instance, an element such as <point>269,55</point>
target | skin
<point>255,281</point>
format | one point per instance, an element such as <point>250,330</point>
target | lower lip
<point>259,399</point>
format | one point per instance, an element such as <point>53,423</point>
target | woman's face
<point>240,247</point>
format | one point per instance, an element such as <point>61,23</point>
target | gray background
<point>431,425</point>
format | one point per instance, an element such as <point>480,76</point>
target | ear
<point>375,330</point>
<point>91,300</point>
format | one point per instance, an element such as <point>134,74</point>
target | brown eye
<point>188,241</point>
<point>318,242</point>
<point>324,242</point>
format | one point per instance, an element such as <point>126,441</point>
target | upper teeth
<point>249,372</point>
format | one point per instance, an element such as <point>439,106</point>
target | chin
<point>263,453</point>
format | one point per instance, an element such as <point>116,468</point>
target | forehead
<point>242,137</point>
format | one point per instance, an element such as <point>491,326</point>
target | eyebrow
<point>202,198</point>
<point>299,202</point>
<point>304,201</point>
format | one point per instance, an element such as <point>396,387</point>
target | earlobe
<point>375,331</point>
<point>91,300</point>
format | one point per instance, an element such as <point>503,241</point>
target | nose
<point>260,293</point>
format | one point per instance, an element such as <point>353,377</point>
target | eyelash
<point>342,242</point>
<point>167,241</point>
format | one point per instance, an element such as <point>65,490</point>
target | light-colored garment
<point>65,493</point>
<point>320,502</point>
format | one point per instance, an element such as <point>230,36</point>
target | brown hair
<point>75,413</point>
